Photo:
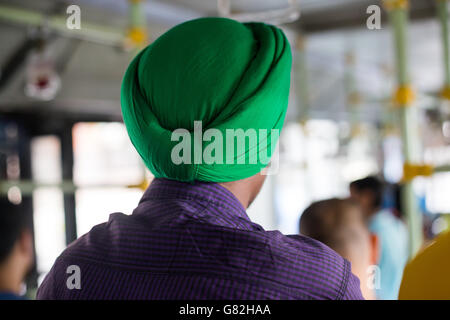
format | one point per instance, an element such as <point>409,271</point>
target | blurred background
<point>65,154</point>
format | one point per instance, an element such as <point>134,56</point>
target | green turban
<point>216,72</point>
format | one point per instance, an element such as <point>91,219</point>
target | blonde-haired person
<point>340,224</point>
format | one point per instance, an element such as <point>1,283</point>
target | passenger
<point>190,236</point>
<point>340,225</point>
<point>16,249</point>
<point>391,232</point>
<point>426,277</point>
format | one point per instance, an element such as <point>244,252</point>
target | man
<point>190,237</point>
<point>339,224</point>
<point>16,249</point>
<point>391,232</point>
<point>426,277</point>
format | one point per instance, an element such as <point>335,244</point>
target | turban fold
<point>226,74</point>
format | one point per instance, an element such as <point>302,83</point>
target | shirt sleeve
<point>353,289</point>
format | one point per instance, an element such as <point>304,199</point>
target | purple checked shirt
<point>195,241</point>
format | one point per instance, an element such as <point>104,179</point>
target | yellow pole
<point>137,36</point>
<point>442,12</point>
<point>404,100</point>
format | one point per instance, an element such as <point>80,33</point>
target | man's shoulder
<point>306,247</point>
<point>312,265</point>
<point>86,250</point>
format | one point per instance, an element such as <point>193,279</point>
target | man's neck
<point>239,192</point>
<point>245,190</point>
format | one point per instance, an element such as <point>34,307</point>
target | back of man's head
<point>337,223</point>
<point>368,192</point>
<point>203,79</point>
<point>340,224</point>
<point>13,221</point>
<point>16,250</point>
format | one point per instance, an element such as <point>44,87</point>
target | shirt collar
<point>218,200</point>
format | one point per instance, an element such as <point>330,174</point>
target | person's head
<point>398,205</point>
<point>207,100</point>
<point>340,225</point>
<point>368,192</point>
<point>16,245</point>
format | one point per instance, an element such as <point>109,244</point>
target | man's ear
<point>375,249</point>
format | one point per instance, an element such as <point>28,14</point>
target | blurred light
<point>103,155</point>
<point>94,205</point>
<point>42,80</point>
<point>13,167</point>
<point>393,159</point>
<point>345,130</point>
<point>11,131</point>
<point>48,205</point>
<point>439,225</point>
<point>23,289</point>
<point>290,13</point>
<point>446,129</point>
<point>15,195</point>
<point>46,165</point>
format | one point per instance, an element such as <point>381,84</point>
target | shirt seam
<point>344,286</point>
